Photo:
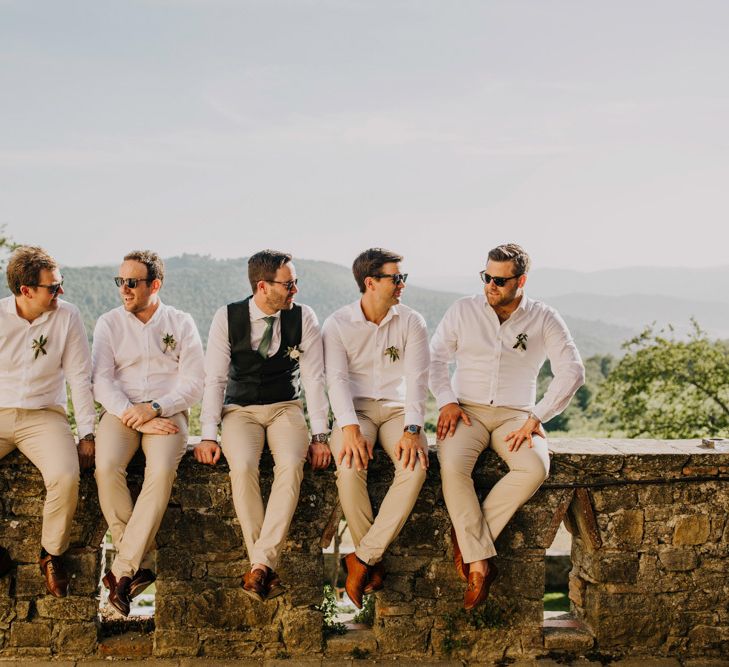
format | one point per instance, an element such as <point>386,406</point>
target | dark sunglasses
<point>131,283</point>
<point>498,281</point>
<point>397,278</point>
<point>53,289</point>
<point>289,284</point>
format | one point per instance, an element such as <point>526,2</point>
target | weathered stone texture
<point>649,562</point>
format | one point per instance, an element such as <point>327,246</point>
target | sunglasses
<point>397,278</point>
<point>288,284</point>
<point>131,283</point>
<point>498,281</point>
<point>53,289</point>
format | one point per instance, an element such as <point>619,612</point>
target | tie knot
<point>269,320</point>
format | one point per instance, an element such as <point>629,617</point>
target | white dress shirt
<point>217,364</point>
<point>490,370</point>
<point>131,364</point>
<point>31,382</point>
<point>358,366</point>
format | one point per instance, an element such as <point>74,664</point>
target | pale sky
<point>594,133</point>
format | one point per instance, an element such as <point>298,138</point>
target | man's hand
<point>319,456</point>
<point>137,415</point>
<point>448,418</point>
<point>158,426</point>
<point>207,451</point>
<point>409,449</point>
<point>531,427</point>
<point>86,453</point>
<point>355,447</point>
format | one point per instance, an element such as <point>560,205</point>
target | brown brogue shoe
<point>274,587</point>
<point>478,587</point>
<point>376,579</point>
<point>6,563</point>
<point>357,578</point>
<point>119,597</point>
<point>141,579</point>
<point>254,584</point>
<point>461,567</point>
<point>54,573</point>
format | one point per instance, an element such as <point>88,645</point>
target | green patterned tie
<point>267,337</point>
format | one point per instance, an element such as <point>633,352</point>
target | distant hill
<point>200,285</point>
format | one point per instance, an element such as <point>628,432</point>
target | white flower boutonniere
<point>168,340</point>
<point>521,341</point>
<point>294,352</point>
<point>39,346</point>
<point>393,353</point>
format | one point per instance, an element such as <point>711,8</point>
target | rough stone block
<point>75,639</point>
<point>173,643</point>
<point>29,581</point>
<point>626,528</point>
<point>73,608</point>
<point>36,634</point>
<point>690,530</point>
<point>302,631</point>
<point>403,635</point>
<point>574,640</point>
<point>677,559</point>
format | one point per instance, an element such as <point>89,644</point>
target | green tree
<point>669,388</point>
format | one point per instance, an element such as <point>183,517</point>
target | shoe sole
<point>275,592</point>
<point>253,595</point>
<point>139,589</point>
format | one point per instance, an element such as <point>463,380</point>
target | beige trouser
<point>381,421</point>
<point>44,436</point>
<point>478,526</point>
<point>134,526</point>
<point>244,430</point>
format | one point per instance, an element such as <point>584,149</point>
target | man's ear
<point>522,280</point>
<point>156,285</point>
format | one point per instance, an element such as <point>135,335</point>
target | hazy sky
<point>595,133</point>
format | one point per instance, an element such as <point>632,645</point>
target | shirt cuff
<point>84,428</point>
<point>445,398</point>
<point>415,418</point>
<point>319,426</point>
<point>209,432</point>
<point>347,419</point>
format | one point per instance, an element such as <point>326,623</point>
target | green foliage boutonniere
<point>168,340</point>
<point>521,341</point>
<point>393,353</point>
<point>39,346</point>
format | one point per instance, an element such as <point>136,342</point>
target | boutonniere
<point>293,352</point>
<point>39,345</point>
<point>521,341</point>
<point>168,340</point>
<point>393,353</point>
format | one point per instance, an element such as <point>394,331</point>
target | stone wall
<point>650,561</point>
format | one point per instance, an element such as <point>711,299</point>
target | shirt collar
<point>359,316</point>
<point>521,308</point>
<point>155,316</point>
<point>11,309</point>
<point>257,314</point>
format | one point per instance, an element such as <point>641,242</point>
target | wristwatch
<point>320,437</point>
<point>157,408</point>
<point>412,428</point>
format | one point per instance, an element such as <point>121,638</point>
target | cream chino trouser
<point>134,526</point>
<point>381,421</point>
<point>44,436</point>
<point>245,429</point>
<point>477,526</point>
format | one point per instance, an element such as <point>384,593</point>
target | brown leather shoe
<point>357,578</point>
<point>119,597</point>
<point>376,579</point>
<point>254,584</point>
<point>274,587</point>
<point>461,567</point>
<point>6,563</point>
<point>478,587</point>
<point>54,572</point>
<point>141,579</point>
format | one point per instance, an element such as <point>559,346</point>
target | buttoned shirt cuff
<point>319,426</point>
<point>347,419</point>
<point>541,414</point>
<point>209,431</point>
<point>84,428</point>
<point>445,398</point>
<point>415,418</point>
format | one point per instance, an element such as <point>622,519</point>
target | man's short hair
<point>25,266</point>
<point>264,265</point>
<point>153,262</point>
<point>370,262</point>
<point>511,252</point>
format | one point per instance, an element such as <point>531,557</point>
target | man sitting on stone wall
<point>259,352</point>
<point>148,371</point>
<point>43,346</point>
<point>376,353</point>
<point>499,341</point>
